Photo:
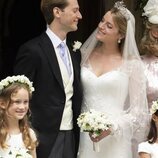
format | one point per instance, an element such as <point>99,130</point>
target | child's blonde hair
<point>5,97</point>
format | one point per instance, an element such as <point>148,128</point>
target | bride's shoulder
<point>135,62</point>
<point>134,65</point>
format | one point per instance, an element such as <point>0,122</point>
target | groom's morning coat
<point>37,60</point>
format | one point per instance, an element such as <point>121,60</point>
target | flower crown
<point>154,107</point>
<point>19,79</point>
<point>122,8</point>
<point>151,11</point>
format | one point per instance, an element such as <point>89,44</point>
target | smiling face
<point>69,16</point>
<point>19,105</point>
<point>108,31</point>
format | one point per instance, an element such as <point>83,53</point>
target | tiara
<point>122,8</point>
<point>16,79</point>
<point>154,107</point>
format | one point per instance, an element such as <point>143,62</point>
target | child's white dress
<point>15,146</point>
<point>151,149</point>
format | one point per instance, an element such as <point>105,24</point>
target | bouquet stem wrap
<point>96,146</point>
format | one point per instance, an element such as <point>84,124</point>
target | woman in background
<point>149,47</point>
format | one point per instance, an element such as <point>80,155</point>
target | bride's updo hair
<point>121,22</point>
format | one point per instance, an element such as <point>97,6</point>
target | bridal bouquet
<point>18,153</point>
<point>94,122</point>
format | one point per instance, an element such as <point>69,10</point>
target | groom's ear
<point>57,12</point>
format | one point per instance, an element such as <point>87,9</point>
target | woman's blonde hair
<point>149,44</point>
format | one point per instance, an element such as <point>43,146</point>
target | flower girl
<point>17,139</point>
<point>149,149</point>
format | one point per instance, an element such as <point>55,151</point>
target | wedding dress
<point>121,93</point>
<point>108,93</point>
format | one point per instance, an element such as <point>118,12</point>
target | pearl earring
<point>119,41</point>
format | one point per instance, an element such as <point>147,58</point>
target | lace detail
<point>112,93</point>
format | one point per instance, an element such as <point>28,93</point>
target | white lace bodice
<point>99,92</point>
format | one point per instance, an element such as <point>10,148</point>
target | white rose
<point>76,45</point>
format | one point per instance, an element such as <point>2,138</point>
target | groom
<point>56,102</point>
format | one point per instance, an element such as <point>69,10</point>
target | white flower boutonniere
<point>76,45</point>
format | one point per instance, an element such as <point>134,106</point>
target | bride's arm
<point>138,106</point>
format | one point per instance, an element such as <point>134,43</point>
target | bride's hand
<point>101,136</point>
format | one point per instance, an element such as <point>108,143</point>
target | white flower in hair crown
<point>154,107</point>
<point>151,11</point>
<point>76,45</point>
<point>19,79</point>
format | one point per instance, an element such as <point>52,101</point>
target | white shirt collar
<point>54,38</point>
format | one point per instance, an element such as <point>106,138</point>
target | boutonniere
<point>76,45</point>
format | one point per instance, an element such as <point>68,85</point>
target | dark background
<point>21,20</point>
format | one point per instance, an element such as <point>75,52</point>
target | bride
<point>113,81</point>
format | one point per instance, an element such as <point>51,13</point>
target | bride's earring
<point>119,41</point>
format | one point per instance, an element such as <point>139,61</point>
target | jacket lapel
<point>49,51</point>
<point>72,57</point>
